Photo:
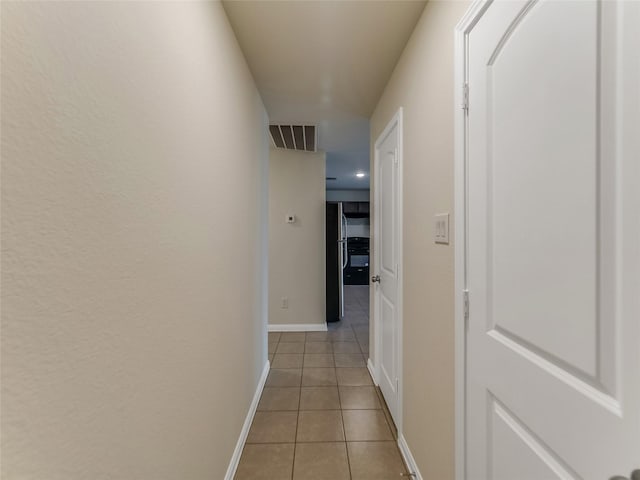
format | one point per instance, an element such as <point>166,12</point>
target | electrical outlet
<point>441,228</point>
<point>284,302</point>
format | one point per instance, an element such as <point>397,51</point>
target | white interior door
<point>553,342</point>
<point>386,247</point>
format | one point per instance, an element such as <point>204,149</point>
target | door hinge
<point>465,97</point>
<point>465,296</point>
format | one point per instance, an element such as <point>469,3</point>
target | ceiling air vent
<point>294,137</point>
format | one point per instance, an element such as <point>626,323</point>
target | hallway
<point>320,416</point>
<point>137,286</point>
<point>154,230</point>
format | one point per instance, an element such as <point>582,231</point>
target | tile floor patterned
<point>320,416</point>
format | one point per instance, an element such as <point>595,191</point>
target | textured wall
<point>132,155</point>
<point>297,251</point>
<point>422,84</point>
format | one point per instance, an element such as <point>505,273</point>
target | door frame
<point>396,121</point>
<point>461,49</point>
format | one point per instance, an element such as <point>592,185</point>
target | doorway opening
<point>347,274</point>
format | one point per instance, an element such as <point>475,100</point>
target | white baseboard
<point>298,327</point>
<point>372,371</point>
<point>408,457</point>
<point>237,453</point>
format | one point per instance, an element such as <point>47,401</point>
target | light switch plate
<point>441,228</point>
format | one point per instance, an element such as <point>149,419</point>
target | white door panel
<point>516,453</point>
<point>388,352</point>
<point>546,295</point>
<point>552,349</point>
<point>387,208</point>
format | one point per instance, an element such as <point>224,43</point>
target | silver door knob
<point>635,475</point>
<point>375,278</point>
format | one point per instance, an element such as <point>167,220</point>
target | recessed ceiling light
<point>359,174</point>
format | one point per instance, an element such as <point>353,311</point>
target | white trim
<point>396,120</point>
<point>408,457</point>
<point>237,453</point>
<point>461,32</point>
<point>372,371</point>
<point>298,327</point>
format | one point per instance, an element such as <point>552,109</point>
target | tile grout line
<point>322,409</point>
<point>323,441</point>
<point>344,430</point>
<point>345,433</point>
<point>295,438</point>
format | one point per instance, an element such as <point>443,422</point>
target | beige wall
<point>422,84</point>
<point>132,154</point>
<point>297,251</point>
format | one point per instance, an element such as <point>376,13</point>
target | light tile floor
<point>320,416</point>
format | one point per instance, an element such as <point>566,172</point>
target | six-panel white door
<point>553,342</point>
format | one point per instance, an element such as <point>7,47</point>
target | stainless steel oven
<point>356,271</point>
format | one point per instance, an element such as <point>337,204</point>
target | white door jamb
<point>467,22</point>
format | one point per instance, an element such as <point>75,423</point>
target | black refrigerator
<point>336,260</point>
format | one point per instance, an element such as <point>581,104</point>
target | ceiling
<point>325,62</point>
